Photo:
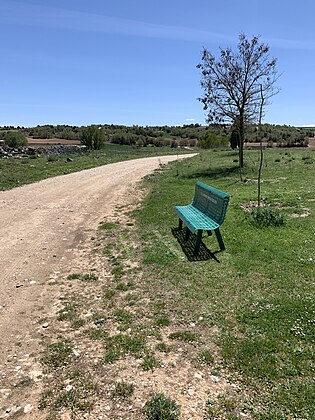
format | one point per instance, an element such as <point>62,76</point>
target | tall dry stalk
<point>261,146</point>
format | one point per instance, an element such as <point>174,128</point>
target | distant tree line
<point>190,135</point>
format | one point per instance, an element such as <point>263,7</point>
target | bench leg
<point>220,240</point>
<point>187,234</point>
<point>180,224</point>
<point>198,241</point>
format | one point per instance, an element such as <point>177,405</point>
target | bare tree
<point>232,84</point>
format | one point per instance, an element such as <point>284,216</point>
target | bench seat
<point>205,213</point>
<point>194,219</point>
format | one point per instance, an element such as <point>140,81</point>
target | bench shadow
<point>188,247</point>
<point>213,173</point>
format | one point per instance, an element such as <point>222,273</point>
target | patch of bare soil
<point>311,143</point>
<point>50,142</point>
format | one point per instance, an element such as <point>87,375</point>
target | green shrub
<point>211,141</point>
<point>160,407</point>
<point>15,139</point>
<point>52,158</point>
<point>268,216</point>
<point>93,137</point>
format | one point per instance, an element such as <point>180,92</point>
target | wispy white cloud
<point>19,13</point>
<point>15,12</point>
<point>290,44</point>
<point>190,119</point>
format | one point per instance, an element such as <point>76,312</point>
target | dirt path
<point>41,226</point>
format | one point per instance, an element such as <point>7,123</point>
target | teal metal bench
<point>205,213</point>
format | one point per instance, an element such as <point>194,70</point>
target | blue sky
<point>131,62</point>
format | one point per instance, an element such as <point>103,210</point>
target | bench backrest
<point>211,202</point>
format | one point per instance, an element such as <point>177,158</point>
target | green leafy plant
<point>161,407</point>
<point>149,362</point>
<point>268,216</point>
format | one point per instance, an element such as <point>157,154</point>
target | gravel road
<point>41,223</point>
<point>41,226</point>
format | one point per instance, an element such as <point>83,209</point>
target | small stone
<point>45,325</point>
<point>32,282</point>
<point>36,375</point>
<point>69,387</point>
<point>15,409</point>
<point>28,408</point>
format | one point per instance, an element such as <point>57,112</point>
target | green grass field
<point>258,295</point>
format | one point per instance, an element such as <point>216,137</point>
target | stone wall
<point>62,149</point>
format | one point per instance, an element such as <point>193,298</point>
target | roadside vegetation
<point>259,294</point>
<point>18,171</point>
<point>227,335</point>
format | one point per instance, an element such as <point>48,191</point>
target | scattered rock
<point>36,375</point>
<point>57,150</point>
<point>28,408</point>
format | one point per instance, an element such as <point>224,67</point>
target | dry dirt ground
<point>41,228</point>
<point>49,238</point>
<point>50,142</point>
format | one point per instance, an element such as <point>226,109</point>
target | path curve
<point>41,225</point>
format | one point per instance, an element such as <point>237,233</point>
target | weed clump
<point>161,407</point>
<point>149,362</point>
<point>58,354</point>
<point>267,216</point>
<point>123,390</point>
<point>187,336</point>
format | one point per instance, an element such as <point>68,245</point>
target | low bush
<point>268,216</point>
<point>15,139</point>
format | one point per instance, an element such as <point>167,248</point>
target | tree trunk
<point>241,140</point>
